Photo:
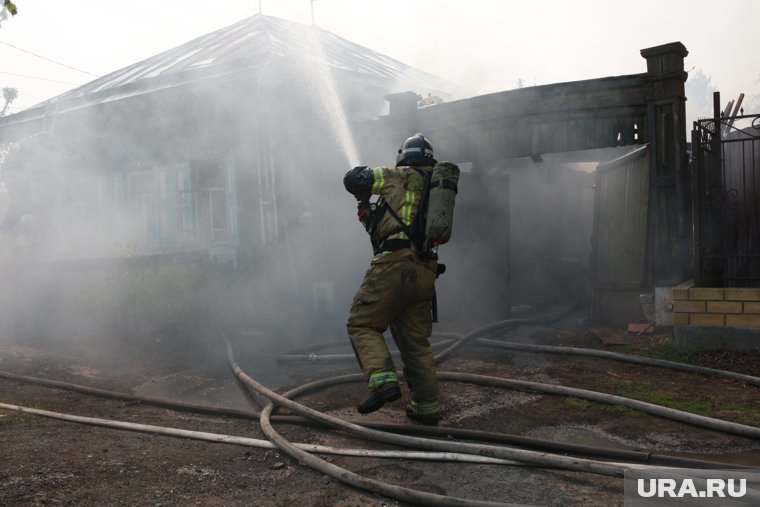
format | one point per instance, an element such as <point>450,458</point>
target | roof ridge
<point>242,43</point>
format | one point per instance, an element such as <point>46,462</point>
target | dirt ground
<point>50,462</point>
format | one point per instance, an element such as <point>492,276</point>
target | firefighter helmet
<point>416,151</point>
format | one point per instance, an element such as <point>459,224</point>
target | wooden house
<point>217,145</point>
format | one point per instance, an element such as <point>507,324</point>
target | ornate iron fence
<point>726,191</point>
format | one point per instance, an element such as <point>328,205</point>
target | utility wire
<point>206,9</point>
<point>48,59</point>
<point>153,19</point>
<point>35,97</point>
<point>39,78</point>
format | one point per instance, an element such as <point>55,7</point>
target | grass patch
<point>728,410</point>
<point>620,409</point>
<point>693,406</point>
<point>663,350</point>
<point>582,404</point>
<point>579,403</point>
<point>637,391</point>
<point>743,414</point>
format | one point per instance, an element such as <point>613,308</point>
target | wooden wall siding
<point>622,200</point>
<point>644,243</point>
<point>580,115</point>
<point>619,243</point>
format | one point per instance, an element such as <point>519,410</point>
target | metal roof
<point>247,44</point>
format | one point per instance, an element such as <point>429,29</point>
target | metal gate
<point>726,189</point>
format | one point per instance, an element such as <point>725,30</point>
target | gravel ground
<point>51,462</point>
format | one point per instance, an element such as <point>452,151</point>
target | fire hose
<point>468,434</point>
<point>303,355</point>
<point>478,334</point>
<point>255,442</point>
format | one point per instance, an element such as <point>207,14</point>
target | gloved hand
<point>358,181</point>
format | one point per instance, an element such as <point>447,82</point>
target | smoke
<point>522,238</point>
<point>145,216</point>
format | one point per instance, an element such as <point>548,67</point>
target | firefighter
<point>399,286</point>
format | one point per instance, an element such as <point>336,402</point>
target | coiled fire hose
<point>478,334</point>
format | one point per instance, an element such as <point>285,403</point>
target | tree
<point>699,97</point>
<point>8,6</point>
<point>699,90</point>
<point>752,104</point>
<point>9,95</point>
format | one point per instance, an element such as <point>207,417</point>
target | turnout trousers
<point>396,293</point>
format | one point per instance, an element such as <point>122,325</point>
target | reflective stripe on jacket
<point>400,188</point>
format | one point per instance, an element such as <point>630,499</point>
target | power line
<point>205,8</point>
<point>23,94</point>
<point>48,59</point>
<point>39,78</point>
<point>167,22</point>
<point>159,20</point>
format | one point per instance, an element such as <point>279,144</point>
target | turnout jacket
<point>400,188</point>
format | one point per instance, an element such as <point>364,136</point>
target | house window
<point>185,210</point>
<point>175,201</point>
<point>211,201</point>
<point>86,199</point>
<point>218,214</point>
<point>180,206</point>
<point>142,203</point>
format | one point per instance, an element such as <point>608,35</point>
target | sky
<point>485,46</point>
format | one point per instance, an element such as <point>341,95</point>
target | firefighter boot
<point>386,392</point>
<point>428,413</point>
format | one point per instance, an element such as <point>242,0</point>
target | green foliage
<point>11,7</point>
<point>9,94</point>
<point>5,8</point>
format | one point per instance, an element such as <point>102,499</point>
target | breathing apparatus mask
<point>366,210</point>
